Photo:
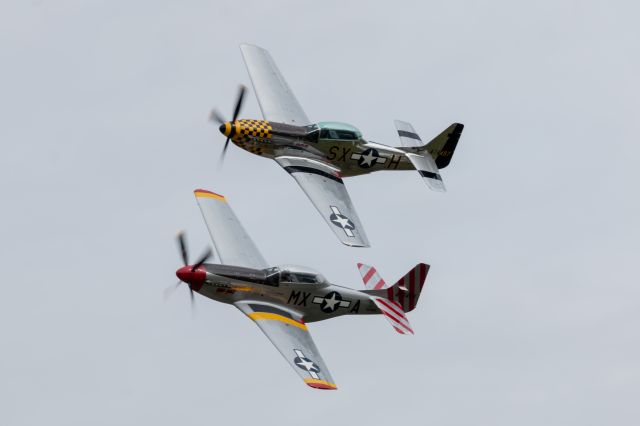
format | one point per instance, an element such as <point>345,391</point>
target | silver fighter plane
<point>281,300</point>
<point>319,155</point>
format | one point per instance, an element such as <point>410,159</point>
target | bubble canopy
<point>294,274</point>
<point>335,130</point>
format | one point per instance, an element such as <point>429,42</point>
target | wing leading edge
<point>324,187</point>
<point>275,97</point>
<point>232,243</point>
<point>289,334</point>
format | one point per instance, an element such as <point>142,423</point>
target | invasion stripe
<point>303,169</point>
<point>256,316</point>
<point>430,175</point>
<point>407,134</point>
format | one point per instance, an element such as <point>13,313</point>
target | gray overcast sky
<point>531,310</point>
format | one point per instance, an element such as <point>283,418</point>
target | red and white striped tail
<point>407,290</point>
<point>393,312</point>
<point>394,301</point>
<point>371,277</point>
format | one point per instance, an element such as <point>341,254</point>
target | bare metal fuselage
<point>353,156</point>
<point>313,302</point>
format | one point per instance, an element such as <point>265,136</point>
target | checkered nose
<point>228,129</point>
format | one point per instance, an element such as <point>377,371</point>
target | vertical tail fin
<point>408,288</point>
<point>442,146</point>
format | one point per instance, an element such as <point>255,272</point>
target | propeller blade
<point>236,112</point>
<point>170,290</point>
<point>216,116</point>
<point>205,256</point>
<point>183,248</point>
<point>193,302</point>
<point>224,151</point>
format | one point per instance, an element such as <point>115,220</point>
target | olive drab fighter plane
<point>319,155</point>
<point>281,300</point>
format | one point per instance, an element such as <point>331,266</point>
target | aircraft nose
<point>227,128</point>
<point>194,278</point>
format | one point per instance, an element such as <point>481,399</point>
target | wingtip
<point>250,46</point>
<point>204,193</point>
<point>352,244</point>
<point>320,384</point>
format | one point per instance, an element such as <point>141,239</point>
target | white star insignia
<point>331,303</point>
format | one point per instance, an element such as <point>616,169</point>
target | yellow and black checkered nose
<point>246,128</point>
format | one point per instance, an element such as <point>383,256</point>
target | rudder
<point>406,291</point>
<point>442,146</point>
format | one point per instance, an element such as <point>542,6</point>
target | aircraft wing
<point>232,243</point>
<point>324,187</point>
<point>277,101</point>
<point>290,336</point>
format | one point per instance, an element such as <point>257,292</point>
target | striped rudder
<point>407,290</point>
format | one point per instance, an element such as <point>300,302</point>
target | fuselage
<point>337,143</point>
<point>306,294</point>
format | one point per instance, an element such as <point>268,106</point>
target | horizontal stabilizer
<point>371,278</point>
<point>393,312</point>
<point>407,134</point>
<point>426,166</point>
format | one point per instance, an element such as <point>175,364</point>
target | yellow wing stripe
<point>257,316</point>
<point>203,193</point>
<point>320,384</point>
